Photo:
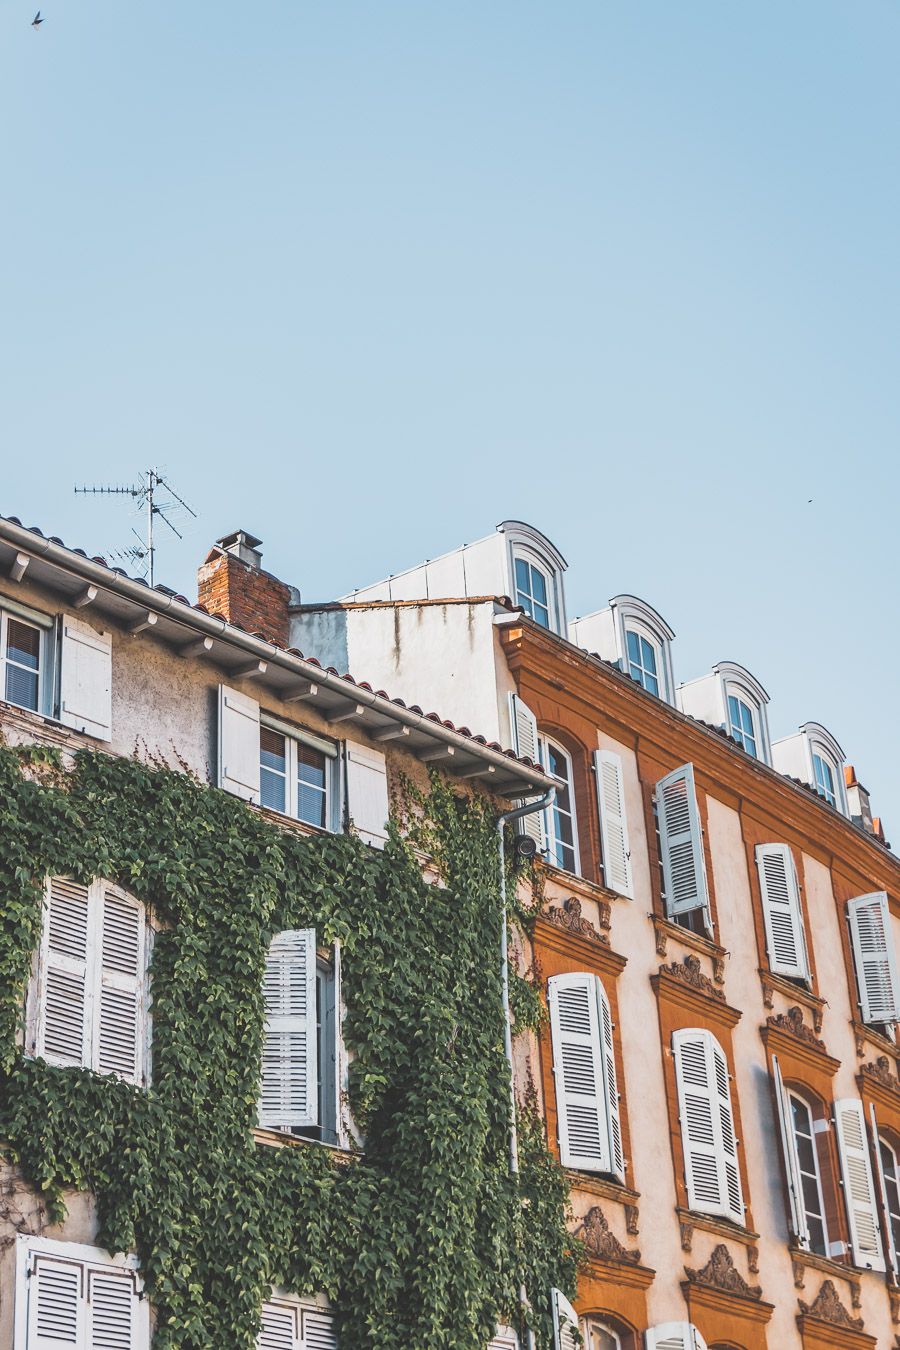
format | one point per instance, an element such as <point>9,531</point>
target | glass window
<point>21,655</point>
<point>559,819</point>
<point>742,724</point>
<point>642,662</point>
<point>294,777</point>
<point>600,1337</point>
<point>312,785</point>
<point>824,778</point>
<point>892,1187</point>
<point>532,592</point>
<point>805,1140</point>
<point>272,769</point>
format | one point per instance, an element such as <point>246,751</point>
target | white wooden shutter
<point>873,951</point>
<point>238,744</point>
<point>782,911</point>
<point>119,1030</point>
<point>505,1339</point>
<point>578,1072</point>
<point>114,1311</point>
<point>317,1331</point>
<point>73,1297</point>
<point>289,1069</point>
<point>56,1304</point>
<point>565,1322</point>
<point>859,1192</point>
<point>63,1021</point>
<point>280,1327</point>
<point>613,824</point>
<point>367,793</point>
<point>524,732</point>
<point>711,1166</point>
<point>610,1083</point>
<point>887,1230</point>
<point>681,842</point>
<point>799,1226</point>
<point>674,1336</point>
<point>86,679</point>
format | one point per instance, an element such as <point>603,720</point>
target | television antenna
<point>159,498</point>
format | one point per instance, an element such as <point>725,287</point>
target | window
<point>533,591</point>
<point>293,777</point>
<point>782,911</point>
<point>872,940</point>
<point>89,1002</point>
<point>77,1296</point>
<point>597,1336</point>
<point>613,822</point>
<point>20,655</point>
<point>891,1175</point>
<point>812,1203</point>
<point>685,891</point>
<point>560,833</point>
<point>674,1336</point>
<point>742,724</point>
<point>290,1323</point>
<point>709,1141</point>
<point>858,1184</point>
<point>584,1070</point>
<point>642,660</point>
<point>825,778</point>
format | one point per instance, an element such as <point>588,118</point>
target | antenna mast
<point>146,493</point>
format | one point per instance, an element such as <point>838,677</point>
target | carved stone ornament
<point>570,918</point>
<point>894,1296</point>
<point>753,1260</point>
<point>605,914</point>
<point>792,1022</point>
<point>632,1220</point>
<point>689,972</point>
<point>827,1307</point>
<point>687,1235</point>
<point>720,1272</point>
<point>661,940</point>
<point>882,1072</point>
<point>718,964</point>
<point>595,1233</point>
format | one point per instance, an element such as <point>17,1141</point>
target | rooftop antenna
<point>146,493</point>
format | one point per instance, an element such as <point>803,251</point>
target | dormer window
<point>731,698</point>
<point>643,660</point>
<point>825,778</point>
<point>814,756</point>
<point>741,724</point>
<point>533,591</point>
<point>534,568</point>
<point>631,633</point>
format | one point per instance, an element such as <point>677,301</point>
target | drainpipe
<point>540,804</point>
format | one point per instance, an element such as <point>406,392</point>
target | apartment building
<point>143,682</point>
<point>714,926</point>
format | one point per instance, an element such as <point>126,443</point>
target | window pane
<point>521,575</point>
<point>539,586</point>
<point>23,644</point>
<point>311,781</point>
<point>272,769</point>
<point>816,1235</point>
<point>22,687</point>
<point>634,647</point>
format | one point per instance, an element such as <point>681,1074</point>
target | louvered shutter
<point>610,1083</point>
<point>782,911</point>
<point>578,1071</point>
<point>523,728</point>
<point>63,1033</point>
<point>799,1226</point>
<point>711,1166</point>
<point>681,842</point>
<point>289,1068</point>
<point>873,951</point>
<point>367,793</point>
<point>56,1304</point>
<point>674,1336</point>
<point>318,1328</point>
<point>505,1339</point>
<point>565,1322</point>
<point>119,1000</point>
<point>613,824</point>
<point>859,1192</point>
<point>86,679</point>
<point>114,1311</point>
<point>238,744</point>
<point>887,1230</point>
<point>280,1327</point>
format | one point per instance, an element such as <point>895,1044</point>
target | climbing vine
<point>422,1241</point>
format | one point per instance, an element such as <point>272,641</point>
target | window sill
<point>290,822</point>
<point>666,931</point>
<point>803,1260</point>
<point>710,1223</point>
<point>276,1139</point>
<point>591,890</point>
<point>866,1035</point>
<point>796,993</point>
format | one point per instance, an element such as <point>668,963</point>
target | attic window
<point>742,723</point>
<point>643,660</point>
<point>533,591</point>
<point>825,778</point>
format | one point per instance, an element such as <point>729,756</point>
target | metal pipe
<point>529,808</point>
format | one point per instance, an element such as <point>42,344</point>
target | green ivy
<point>420,1243</point>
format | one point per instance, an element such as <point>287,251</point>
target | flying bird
<point>37,20</point>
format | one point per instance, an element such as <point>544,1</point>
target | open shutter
<point>610,1083</point>
<point>873,953</point>
<point>56,1304</point>
<point>799,1226</point>
<point>115,1313</point>
<point>681,842</point>
<point>859,1192</point>
<point>707,1125</point>
<point>119,1004</point>
<point>289,1069</point>
<point>613,825</point>
<point>674,1336</point>
<point>367,793</point>
<point>86,679</point>
<point>524,732</point>
<point>578,1072</point>
<point>238,744</point>
<point>63,1033</point>
<point>782,911</point>
<point>565,1322</point>
<point>887,1230</point>
<point>280,1327</point>
<point>505,1339</point>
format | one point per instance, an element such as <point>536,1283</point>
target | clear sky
<point>365,279</point>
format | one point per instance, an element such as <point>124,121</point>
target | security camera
<point>525,848</point>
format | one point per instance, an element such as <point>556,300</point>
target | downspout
<point>540,804</point>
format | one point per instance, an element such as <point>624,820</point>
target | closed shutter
<point>63,1034</point>
<point>681,843</point>
<point>280,1327</point>
<point>578,1071</point>
<point>86,679</point>
<point>782,911</point>
<point>74,1297</point>
<point>887,1229</point>
<point>610,1083</point>
<point>674,1336</point>
<point>565,1322</point>
<point>119,1003</point>
<point>505,1339</point>
<point>317,1328</point>
<point>873,952</point>
<point>238,744</point>
<point>524,732</point>
<point>367,793</point>
<point>799,1226</point>
<point>613,824</point>
<point>711,1166</point>
<point>113,1309</point>
<point>289,1068</point>
<point>859,1192</point>
<point>56,1305</point>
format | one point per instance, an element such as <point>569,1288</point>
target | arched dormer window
<point>814,756</point>
<point>535,568</point>
<point>731,698</point>
<point>631,633</point>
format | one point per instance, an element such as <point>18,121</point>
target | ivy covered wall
<point>420,1243</point>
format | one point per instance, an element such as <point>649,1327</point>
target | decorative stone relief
<point>720,1272</point>
<point>595,1233</point>
<point>570,918</point>
<point>689,972</point>
<point>661,940</point>
<point>687,1235</point>
<point>605,915</point>
<point>718,965</point>
<point>792,1022</point>
<point>882,1072</point>
<point>827,1307</point>
<point>753,1260</point>
<point>632,1217</point>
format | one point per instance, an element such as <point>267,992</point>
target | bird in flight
<point>37,20</point>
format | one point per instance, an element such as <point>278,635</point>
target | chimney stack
<point>858,803</point>
<point>232,584</point>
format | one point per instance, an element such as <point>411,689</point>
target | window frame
<point>740,734</point>
<point>644,635</point>
<point>594,1322</point>
<point>820,758</point>
<point>629,612</point>
<point>793,1094</point>
<point>294,736</point>
<point>547,742</point>
<point>892,1218</point>
<point>527,600</point>
<point>45,626</point>
<point>524,541</point>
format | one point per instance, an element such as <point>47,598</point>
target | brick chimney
<point>232,583</point>
<point>858,802</point>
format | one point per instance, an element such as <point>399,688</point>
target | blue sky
<point>368,278</point>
